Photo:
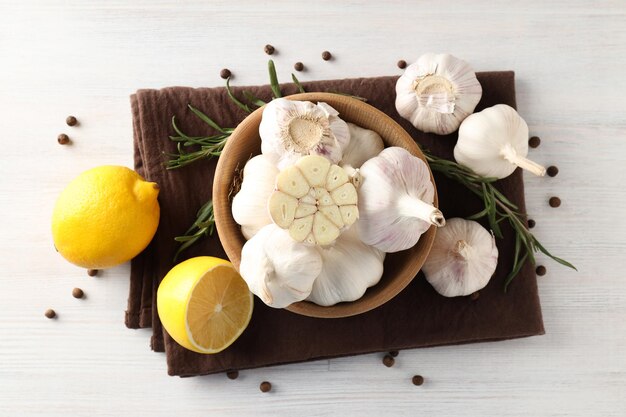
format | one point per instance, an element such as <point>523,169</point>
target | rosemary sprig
<point>497,209</point>
<point>204,225</point>
<point>209,146</point>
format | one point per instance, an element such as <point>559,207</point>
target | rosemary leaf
<point>273,79</point>
<point>234,99</point>
<point>205,118</point>
<point>204,225</point>
<point>254,99</point>
<point>297,83</point>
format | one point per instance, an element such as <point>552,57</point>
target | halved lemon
<point>204,304</point>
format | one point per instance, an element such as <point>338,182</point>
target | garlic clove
<point>314,169</point>
<point>279,270</point>
<point>437,92</point>
<point>494,142</point>
<point>462,259</point>
<point>315,217</point>
<point>290,129</point>
<point>249,207</point>
<point>282,208</point>
<point>395,201</point>
<point>349,268</point>
<point>364,144</point>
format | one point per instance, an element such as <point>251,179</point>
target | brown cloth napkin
<point>417,317</point>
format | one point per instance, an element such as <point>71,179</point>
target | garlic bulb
<point>314,200</point>
<point>249,206</point>
<point>290,129</point>
<point>279,270</point>
<point>437,92</point>
<point>349,268</point>
<point>395,201</point>
<point>462,259</point>
<point>494,142</point>
<point>364,144</point>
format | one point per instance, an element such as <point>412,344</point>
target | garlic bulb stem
<point>509,153</point>
<point>414,207</point>
<point>461,250</point>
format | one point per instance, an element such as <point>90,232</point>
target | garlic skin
<point>437,92</point>
<point>462,259</point>
<point>494,142</point>
<point>249,207</point>
<point>290,129</point>
<point>395,201</point>
<point>350,267</point>
<point>279,270</point>
<point>314,200</point>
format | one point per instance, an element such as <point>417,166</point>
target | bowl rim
<point>223,216</point>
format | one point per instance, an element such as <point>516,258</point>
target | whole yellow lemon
<point>105,217</point>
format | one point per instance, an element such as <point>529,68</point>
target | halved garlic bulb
<point>290,129</point>
<point>437,92</point>
<point>249,206</point>
<point>314,200</point>
<point>279,270</point>
<point>350,267</point>
<point>462,259</point>
<point>494,142</point>
<point>395,201</point>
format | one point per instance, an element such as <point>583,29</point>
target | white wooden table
<point>85,58</point>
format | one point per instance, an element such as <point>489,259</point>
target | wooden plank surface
<point>86,58</point>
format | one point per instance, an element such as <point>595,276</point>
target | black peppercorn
<point>417,380</point>
<point>552,171</point>
<point>71,121</point>
<point>388,361</point>
<point>541,270</point>
<point>232,374</point>
<point>269,49</point>
<point>326,55</point>
<point>225,73</point>
<point>554,202</point>
<point>92,272</point>
<point>50,313</point>
<point>531,223</point>
<point>394,353</point>
<point>63,139</point>
<point>298,66</point>
<point>265,386</point>
<point>401,64</point>
<point>77,293</point>
<point>534,141</point>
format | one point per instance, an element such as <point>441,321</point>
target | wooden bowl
<point>399,268</point>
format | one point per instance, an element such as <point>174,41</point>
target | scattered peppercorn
<point>298,66</point>
<point>63,139</point>
<point>554,202</point>
<point>541,270</point>
<point>269,49</point>
<point>265,386</point>
<point>394,353</point>
<point>401,64</point>
<point>71,121</point>
<point>531,223</point>
<point>552,171</point>
<point>388,361</point>
<point>232,374</point>
<point>326,55</point>
<point>92,272</point>
<point>225,73</point>
<point>534,141</point>
<point>50,313</point>
<point>475,296</point>
<point>77,293</point>
<point>418,380</point>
